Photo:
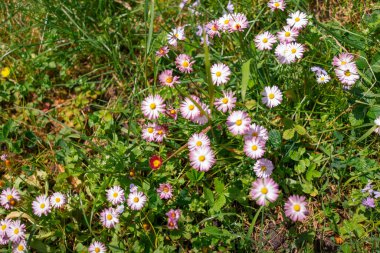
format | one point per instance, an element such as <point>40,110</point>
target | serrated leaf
<point>300,129</point>
<point>219,186</point>
<point>209,196</point>
<point>275,138</point>
<point>219,203</point>
<point>245,71</point>
<point>288,134</point>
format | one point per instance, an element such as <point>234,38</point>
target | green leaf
<point>288,134</point>
<point>212,230</point>
<point>209,196</point>
<point>300,129</point>
<point>219,186</point>
<point>311,173</point>
<point>219,203</point>
<point>275,138</point>
<point>245,71</point>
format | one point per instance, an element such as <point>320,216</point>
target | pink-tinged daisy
<point>322,78</point>
<point>148,132</point>
<point>57,200</point>
<point>162,52</point>
<point>264,190</point>
<point>202,159</point>
<point>41,206</point>
<point>288,34</point>
<point>277,5</point>
<point>174,214</point>
<point>19,247</point>
<point>343,59</point>
<point>230,7</point>
<point>97,247</point>
<point>377,123</point>
<point>227,102</point>
<point>109,217</point>
<point>254,148</point>
<point>282,54</point>
<point>256,131</point>
<point>152,106</point>
<point>296,208</point>
<point>220,73</point>
<point>189,110</point>
<point>347,74</point>
<point>297,20</point>
<point>202,118</point>
<point>198,141</point>
<point>272,96</point>
<point>225,22</point>
<point>9,197</point>
<point>172,224</point>
<point>115,195</point>
<point>171,112</point>
<point>132,188</point>
<point>16,231</point>
<point>4,225</point>
<point>4,240</point>
<point>165,191</point>
<point>295,51</point>
<point>136,200</point>
<point>175,35</point>
<point>238,122</point>
<point>167,79</point>
<point>184,63</point>
<point>265,41</point>
<point>263,167</point>
<point>160,133</point>
<point>238,22</point>
<point>318,70</point>
<point>213,28</point>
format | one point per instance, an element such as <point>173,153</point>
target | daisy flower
<point>256,131</point>
<point>184,63</point>
<point>57,200</point>
<point>226,103</point>
<point>297,20</point>
<point>277,5</point>
<point>97,247</point>
<point>264,41</point>
<point>295,208</point>
<point>162,52</point>
<point>19,247</point>
<point>220,73</point>
<point>4,225</point>
<point>167,79</point>
<point>174,214</point>
<point>155,162</point>
<point>115,195</point>
<point>188,109</point>
<point>254,148</point>
<point>239,22</point>
<point>172,224</point>
<point>343,59</point>
<point>132,188</point>
<point>213,28</point>
<point>377,123</point>
<point>272,96</point>
<point>41,206</point>
<point>198,141</point>
<point>238,122</point>
<point>152,106</point>
<point>295,51</point>
<point>16,231</point>
<point>322,78</point>
<point>172,113</point>
<point>119,209</point>
<point>202,118</point>
<point>369,202</point>
<point>264,190</point>
<point>148,132</point>
<point>282,54</point>
<point>4,240</point>
<point>136,200</point>
<point>287,35</point>
<point>225,22</point>
<point>263,167</point>
<point>160,133</point>
<point>347,74</point>
<point>165,191</point>
<point>9,197</point>
<point>175,35</point>
<point>109,217</point>
<point>202,159</point>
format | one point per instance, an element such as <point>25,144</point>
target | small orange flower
<point>155,162</point>
<point>338,240</point>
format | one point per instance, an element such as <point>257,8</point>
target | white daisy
<point>97,247</point>
<point>322,78</point>
<point>225,22</point>
<point>377,123</point>
<point>41,206</point>
<point>213,28</point>
<point>202,159</point>
<point>175,35</point>
<point>272,96</point>
<point>136,200</point>
<point>148,132</point>
<point>220,73</point>
<point>198,141</point>
<point>57,200</point>
<point>189,110</point>
<point>263,167</point>
<point>347,74</point>
<point>265,41</point>
<point>115,195</point>
<point>295,51</point>
<point>227,102</point>
<point>4,224</point>
<point>19,247</point>
<point>238,122</point>
<point>152,106</point>
<point>109,217</point>
<point>202,118</point>
<point>256,131</point>
<point>16,231</point>
<point>238,22</point>
<point>264,190</point>
<point>9,197</point>
<point>254,148</point>
<point>343,59</point>
<point>297,20</point>
<point>288,34</point>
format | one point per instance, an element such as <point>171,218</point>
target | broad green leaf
<point>212,230</point>
<point>209,196</point>
<point>219,203</point>
<point>300,129</point>
<point>245,71</point>
<point>288,134</point>
<point>219,186</point>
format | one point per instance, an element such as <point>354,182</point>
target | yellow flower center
<point>97,250</point>
<point>271,96</point>
<point>199,143</point>
<point>343,63</point>
<point>265,40</point>
<point>287,34</point>
<point>109,216</point>
<point>5,72</point>
<point>239,122</point>
<point>20,247</point>
<point>173,215</point>
<point>214,28</point>
<point>176,35</point>
<point>9,197</point>
<point>226,21</point>
<point>254,148</point>
<point>264,190</point>
<point>3,227</point>
<point>42,206</point>
<point>218,74</point>
<point>115,194</point>
<point>185,64</point>
<point>202,158</point>
<point>276,4</point>
<point>16,231</point>
<point>57,200</point>
<point>156,163</point>
<point>237,26</point>
<point>160,132</point>
<point>166,189</point>
<point>225,100</point>
<point>169,79</point>
<point>263,168</point>
<point>150,130</point>
<point>255,134</point>
<point>191,107</point>
<point>172,111</point>
<point>294,51</point>
<point>322,78</point>
<point>347,73</point>
<point>136,199</point>
<point>296,208</point>
<point>152,106</point>
<point>297,19</point>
